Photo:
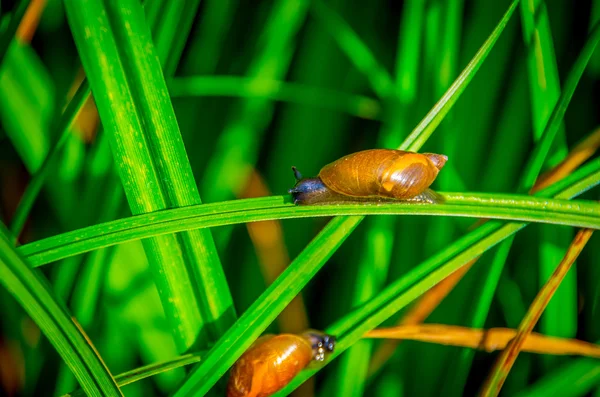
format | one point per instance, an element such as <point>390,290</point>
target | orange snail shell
<point>375,173</point>
<point>270,364</point>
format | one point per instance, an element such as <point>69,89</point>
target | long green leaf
<point>356,105</point>
<point>35,295</point>
<point>508,207</point>
<point>134,105</point>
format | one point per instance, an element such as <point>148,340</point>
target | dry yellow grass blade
<point>30,21</point>
<point>488,340</point>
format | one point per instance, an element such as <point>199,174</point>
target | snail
<point>272,361</point>
<point>372,175</point>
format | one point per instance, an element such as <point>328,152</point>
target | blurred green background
<point>259,86</point>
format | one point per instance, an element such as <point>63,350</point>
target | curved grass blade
<point>34,294</point>
<point>491,206</point>
<point>356,105</point>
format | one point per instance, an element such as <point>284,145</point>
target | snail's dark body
<point>274,360</point>
<point>372,175</point>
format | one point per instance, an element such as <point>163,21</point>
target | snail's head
<point>306,189</point>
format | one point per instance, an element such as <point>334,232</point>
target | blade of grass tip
<point>398,294</point>
<point>356,105</point>
<point>37,181</point>
<point>13,26</point>
<point>425,128</point>
<point>153,164</point>
<point>543,71</point>
<point>34,294</point>
<point>577,213</point>
<point>506,359</point>
<point>375,257</point>
<point>487,340</point>
<point>355,49</point>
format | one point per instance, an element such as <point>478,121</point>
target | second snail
<point>274,360</point>
<point>372,175</point>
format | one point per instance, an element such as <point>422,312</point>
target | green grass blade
<point>356,105</point>
<point>536,161</point>
<point>594,19</point>
<point>508,207</point>
<point>38,179</point>
<point>9,34</point>
<point>135,375</point>
<point>575,379</point>
<point>151,160</point>
<point>423,131</point>
<point>34,294</point>
<point>357,51</point>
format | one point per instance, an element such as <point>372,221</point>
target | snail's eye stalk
<point>297,173</point>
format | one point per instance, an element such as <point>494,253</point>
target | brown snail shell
<point>376,174</point>
<point>274,360</point>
